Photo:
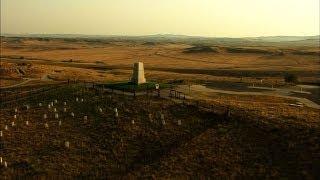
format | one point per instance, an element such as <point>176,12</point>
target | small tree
<point>291,78</point>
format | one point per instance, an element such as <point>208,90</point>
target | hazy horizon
<point>204,18</point>
<point>142,35</point>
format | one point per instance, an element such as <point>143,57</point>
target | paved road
<point>282,91</point>
<point>200,88</point>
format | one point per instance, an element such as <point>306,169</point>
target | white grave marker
<point>116,114</point>
<point>67,144</point>
<point>163,122</point>
<point>162,116</point>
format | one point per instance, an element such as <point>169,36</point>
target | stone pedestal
<point>138,73</point>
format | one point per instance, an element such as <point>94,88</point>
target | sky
<point>212,18</point>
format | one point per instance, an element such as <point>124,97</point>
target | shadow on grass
<point>129,86</point>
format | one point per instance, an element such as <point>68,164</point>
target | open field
<point>163,55</point>
<point>221,65</point>
<point>240,118</point>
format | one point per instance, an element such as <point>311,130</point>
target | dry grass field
<point>230,136</point>
<point>169,57</point>
<point>110,60</point>
<point>147,140</point>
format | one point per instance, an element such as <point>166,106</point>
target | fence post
<point>227,114</point>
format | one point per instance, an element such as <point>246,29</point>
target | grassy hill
<point>151,138</point>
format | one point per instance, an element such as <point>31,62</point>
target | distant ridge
<point>170,36</point>
<point>284,41</point>
<point>284,38</point>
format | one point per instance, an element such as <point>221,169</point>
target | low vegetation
<point>310,53</point>
<point>151,138</point>
<point>201,49</point>
<point>291,78</point>
<point>250,50</point>
<point>128,86</point>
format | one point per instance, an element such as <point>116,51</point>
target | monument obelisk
<point>138,74</point>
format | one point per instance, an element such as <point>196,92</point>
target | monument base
<point>138,74</point>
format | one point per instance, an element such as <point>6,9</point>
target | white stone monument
<point>138,73</point>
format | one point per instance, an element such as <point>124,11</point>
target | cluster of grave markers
<point>52,108</point>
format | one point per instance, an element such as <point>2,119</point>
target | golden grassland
<point>112,61</point>
<point>263,137</point>
<point>159,55</point>
<point>100,61</point>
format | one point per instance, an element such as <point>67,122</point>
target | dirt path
<point>27,80</point>
<point>200,88</point>
<point>45,77</point>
